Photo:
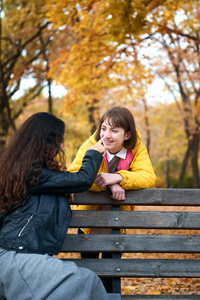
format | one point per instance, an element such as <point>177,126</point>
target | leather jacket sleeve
<point>51,182</point>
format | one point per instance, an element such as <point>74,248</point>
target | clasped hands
<point>112,182</point>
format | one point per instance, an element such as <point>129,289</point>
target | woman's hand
<point>70,197</point>
<point>118,193</point>
<point>99,146</point>
<point>104,179</point>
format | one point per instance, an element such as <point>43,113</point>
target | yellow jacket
<point>139,176</point>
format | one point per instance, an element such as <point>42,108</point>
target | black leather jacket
<point>41,223</point>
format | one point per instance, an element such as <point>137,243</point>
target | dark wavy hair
<point>37,143</point>
<point>120,117</point>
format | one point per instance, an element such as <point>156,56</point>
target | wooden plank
<point>118,268</point>
<point>135,219</point>
<point>131,243</point>
<point>160,297</point>
<point>174,197</point>
<point>176,268</point>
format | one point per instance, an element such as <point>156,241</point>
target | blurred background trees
<point>106,53</point>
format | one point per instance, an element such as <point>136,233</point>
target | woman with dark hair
<point>35,215</point>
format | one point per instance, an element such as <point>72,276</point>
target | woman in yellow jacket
<point>126,165</point>
<point>132,167</point>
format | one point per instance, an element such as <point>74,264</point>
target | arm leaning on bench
<point>116,243</point>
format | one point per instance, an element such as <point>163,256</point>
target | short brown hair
<point>120,117</point>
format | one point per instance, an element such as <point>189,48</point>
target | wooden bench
<point>116,243</point>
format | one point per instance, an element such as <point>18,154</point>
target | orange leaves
<point>91,66</point>
<point>160,286</point>
<point>198,106</point>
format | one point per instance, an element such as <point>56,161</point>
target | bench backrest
<point>147,220</point>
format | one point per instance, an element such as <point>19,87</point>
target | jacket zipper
<point>28,221</point>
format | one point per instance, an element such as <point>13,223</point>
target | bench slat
<point>136,219</point>
<point>174,197</point>
<point>132,243</point>
<point>178,268</point>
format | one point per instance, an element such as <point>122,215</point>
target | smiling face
<point>114,136</point>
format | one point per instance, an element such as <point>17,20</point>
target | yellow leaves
<point>126,290</point>
<point>82,67</point>
<point>62,13</point>
<point>124,17</point>
<point>24,14</point>
<point>182,15</point>
<point>160,286</point>
<point>153,292</point>
<point>91,65</point>
<point>198,107</point>
<point>71,100</point>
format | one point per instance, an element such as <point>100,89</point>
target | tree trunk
<point>49,80</point>
<point>168,183</point>
<point>191,152</point>
<point>50,102</point>
<point>4,127</point>
<point>146,118</point>
<point>93,114</point>
<point>184,166</point>
<point>194,160</point>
